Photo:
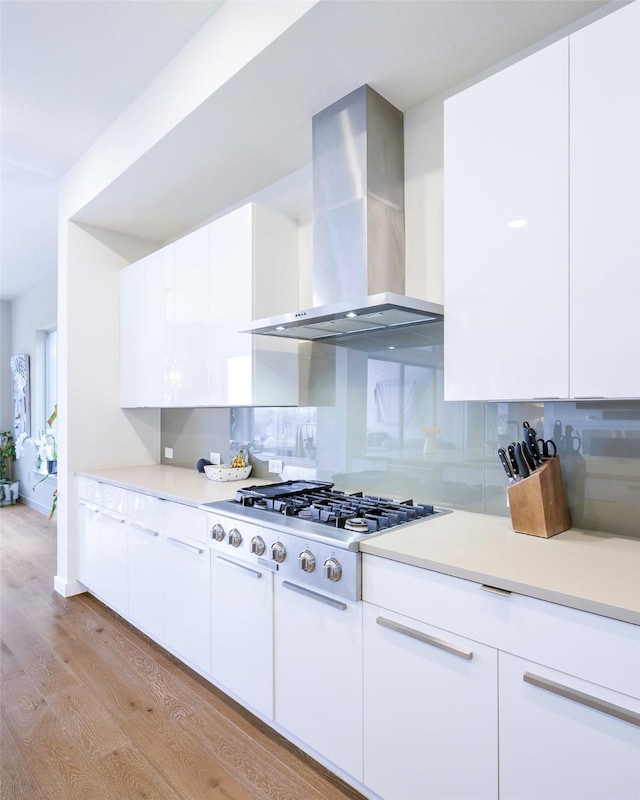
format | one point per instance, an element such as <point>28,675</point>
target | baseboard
<point>35,505</point>
<point>68,589</point>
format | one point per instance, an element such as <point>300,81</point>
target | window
<point>50,374</point>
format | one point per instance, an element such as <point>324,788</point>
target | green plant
<point>7,456</point>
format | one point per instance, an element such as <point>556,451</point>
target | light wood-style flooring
<point>92,709</point>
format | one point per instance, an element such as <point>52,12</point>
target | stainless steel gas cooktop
<point>319,512</point>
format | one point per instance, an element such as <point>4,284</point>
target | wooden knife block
<point>538,504</point>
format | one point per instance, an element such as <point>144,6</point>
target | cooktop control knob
<point>278,552</point>
<point>257,545</point>
<point>332,569</point>
<point>235,538</point>
<point>306,561</point>
<point>217,532</point>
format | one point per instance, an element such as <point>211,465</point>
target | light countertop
<point>179,484</point>
<point>587,570</point>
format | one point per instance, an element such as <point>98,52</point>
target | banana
<point>238,461</point>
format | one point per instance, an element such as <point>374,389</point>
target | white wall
<point>93,431</point>
<point>6,406</point>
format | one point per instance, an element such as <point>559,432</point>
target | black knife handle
<point>502,455</point>
<point>532,442</point>
<point>523,469</point>
<point>528,457</point>
<point>512,459</point>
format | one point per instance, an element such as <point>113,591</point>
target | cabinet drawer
<point>564,738</point>
<point>114,498</point>
<point>598,649</point>
<point>176,518</point>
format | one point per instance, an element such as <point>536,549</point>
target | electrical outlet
<point>168,452</point>
<point>214,458</point>
<point>275,465</point>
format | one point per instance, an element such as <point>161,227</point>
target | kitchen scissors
<point>545,448</point>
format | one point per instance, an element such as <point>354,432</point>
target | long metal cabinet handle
<point>254,572</point>
<point>142,528</point>
<point>185,546</point>
<point>584,699</point>
<point>454,649</point>
<point>315,595</point>
<point>111,515</point>
<point>495,590</point>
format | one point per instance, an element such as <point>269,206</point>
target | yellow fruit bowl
<point>221,472</point>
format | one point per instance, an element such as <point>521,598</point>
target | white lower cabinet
<point>565,738</point>
<point>146,579</point>
<point>187,600</point>
<point>242,630</point>
<point>103,558</point>
<point>318,672</point>
<point>169,577</point>
<point>430,711</point>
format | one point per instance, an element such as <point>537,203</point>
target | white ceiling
<point>69,68</point>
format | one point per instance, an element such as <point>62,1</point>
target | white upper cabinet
<point>506,234</point>
<point>159,341</point>
<point>549,309</point>
<point>133,322</point>
<point>253,274</point>
<point>190,353</point>
<point>605,207</point>
<point>182,305</point>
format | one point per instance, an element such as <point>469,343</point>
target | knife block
<point>538,504</point>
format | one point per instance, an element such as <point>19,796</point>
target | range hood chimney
<point>358,233</point>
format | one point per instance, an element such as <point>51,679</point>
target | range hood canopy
<point>358,231</point>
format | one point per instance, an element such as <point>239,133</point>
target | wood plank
<point>58,767</point>
<point>130,774</point>
<point>34,654</point>
<point>16,780</point>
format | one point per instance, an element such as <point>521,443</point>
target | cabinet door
<point>318,673</point>
<point>242,631</point>
<point>231,291</point>
<point>133,335</point>
<point>605,206</point>
<point>113,585</point>
<point>506,233</point>
<point>146,579</point>
<point>430,711</point>
<point>88,546</point>
<point>191,320</point>
<point>187,601</point>
<point>561,738</point>
<point>160,350</point>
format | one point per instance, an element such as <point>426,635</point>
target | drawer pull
<point>230,563</point>
<point>185,546</point>
<point>584,699</point>
<point>148,531</point>
<point>495,590</point>
<point>454,649</point>
<point>315,595</point>
<point>108,514</point>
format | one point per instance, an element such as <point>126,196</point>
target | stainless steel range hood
<point>358,232</point>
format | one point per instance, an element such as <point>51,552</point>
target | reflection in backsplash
<point>392,433</point>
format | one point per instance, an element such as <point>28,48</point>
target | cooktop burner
<point>320,502</point>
